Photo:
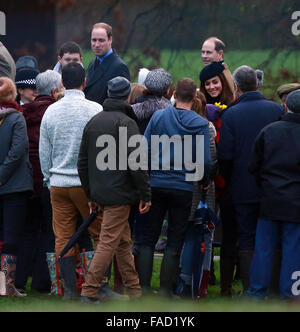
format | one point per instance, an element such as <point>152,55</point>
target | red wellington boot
<point>203,291</point>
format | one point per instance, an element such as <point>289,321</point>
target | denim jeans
<point>268,234</point>
<point>187,255</point>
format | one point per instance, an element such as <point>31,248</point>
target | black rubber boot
<point>245,260</point>
<point>145,266</point>
<point>227,265</point>
<point>168,271</point>
<point>67,268</point>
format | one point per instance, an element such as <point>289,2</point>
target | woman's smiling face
<point>214,86</point>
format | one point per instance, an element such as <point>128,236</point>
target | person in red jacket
<point>219,96</point>
<point>39,218</point>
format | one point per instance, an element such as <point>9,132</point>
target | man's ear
<point>84,83</point>
<point>58,58</point>
<point>221,54</point>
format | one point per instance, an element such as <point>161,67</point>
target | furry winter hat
<point>158,81</point>
<point>8,91</point>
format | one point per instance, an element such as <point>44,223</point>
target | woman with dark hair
<point>26,86</point>
<point>15,184</point>
<point>219,96</point>
<point>214,85</point>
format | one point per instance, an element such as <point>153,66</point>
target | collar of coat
<point>291,117</point>
<point>117,105</point>
<point>6,111</point>
<point>248,96</point>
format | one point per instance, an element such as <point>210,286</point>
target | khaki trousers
<point>66,204</point>
<point>115,239</point>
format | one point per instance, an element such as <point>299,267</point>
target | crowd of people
<point>75,143</point>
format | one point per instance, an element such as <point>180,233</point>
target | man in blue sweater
<point>178,147</point>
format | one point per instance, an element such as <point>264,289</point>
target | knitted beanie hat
<point>119,88</point>
<point>158,81</point>
<point>8,91</point>
<point>26,79</point>
<point>293,101</point>
<point>212,70</point>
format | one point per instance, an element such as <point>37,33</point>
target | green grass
<point>36,302</point>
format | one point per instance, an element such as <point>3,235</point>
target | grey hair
<point>48,81</point>
<point>245,78</point>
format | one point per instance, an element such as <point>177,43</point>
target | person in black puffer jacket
<point>275,164</point>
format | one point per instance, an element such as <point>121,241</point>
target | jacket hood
<point>187,120</point>
<point>34,112</point>
<point>6,111</point>
<point>117,105</point>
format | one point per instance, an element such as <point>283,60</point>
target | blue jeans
<point>268,235</point>
<point>188,251</point>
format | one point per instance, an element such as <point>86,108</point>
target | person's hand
<point>144,207</point>
<point>93,206</point>
<point>206,188</point>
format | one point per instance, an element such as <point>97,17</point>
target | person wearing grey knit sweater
<point>60,137</point>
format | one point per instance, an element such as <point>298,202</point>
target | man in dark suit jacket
<point>106,66</point>
<point>241,124</point>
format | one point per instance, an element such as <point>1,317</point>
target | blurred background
<point>163,33</point>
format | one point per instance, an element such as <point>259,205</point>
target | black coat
<point>111,187</point>
<point>96,85</point>
<point>241,124</point>
<point>15,168</point>
<point>275,162</point>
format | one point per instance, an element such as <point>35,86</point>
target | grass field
<point>36,302</point>
<point>283,68</point>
